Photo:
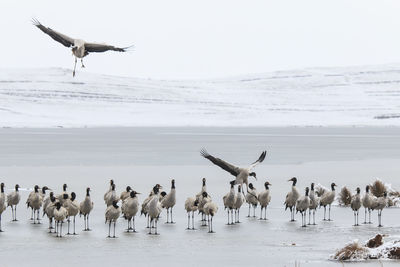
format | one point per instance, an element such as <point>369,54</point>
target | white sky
<point>203,39</point>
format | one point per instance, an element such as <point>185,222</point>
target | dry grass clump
<point>320,190</point>
<point>375,242</point>
<point>345,196</point>
<point>378,188</point>
<point>353,251</point>
<point>394,253</point>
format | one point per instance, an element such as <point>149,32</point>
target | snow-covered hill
<point>312,97</point>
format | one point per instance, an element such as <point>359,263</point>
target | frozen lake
<point>142,157</point>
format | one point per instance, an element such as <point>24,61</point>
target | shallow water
<point>142,157</point>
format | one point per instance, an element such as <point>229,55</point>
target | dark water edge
<point>181,145</point>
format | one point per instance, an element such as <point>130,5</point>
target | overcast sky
<point>203,39</point>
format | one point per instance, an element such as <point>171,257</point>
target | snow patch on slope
<point>357,96</point>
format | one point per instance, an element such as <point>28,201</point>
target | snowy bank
<point>357,96</point>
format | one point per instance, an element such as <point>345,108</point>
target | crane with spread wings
<point>241,174</point>
<point>80,48</point>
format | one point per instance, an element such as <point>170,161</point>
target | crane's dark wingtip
<point>35,22</point>
<point>204,153</point>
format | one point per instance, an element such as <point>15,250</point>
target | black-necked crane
<point>302,205</point>
<point>108,191</point>
<point>112,214</point>
<point>145,204</point>
<point>111,196</point>
<point>13,199</point>
<point>34,202</point>
<point>168,202</point>
<point>154,209</point>
<point>60,214</point>
<point>85,208</point>
<point>264,197</point>
<point>241,174</point>
<point>367,200</point>
<point>239,200</point>
<point>229,202</point>
<point>49,210</point>
<point>80,48</point>
<point>64,194</point>
<point>252,199</point>
<point>291,198</point>
<point>44,198</point>
<point>125,194</point>
<point>379,204</point>
<point>210,209</point>
<point>355,205</point>
<point>72,207</point>
<point>314,203</point>
<point>200,195</point>
<point>129,209</point>
<point>2,202</point>
<point>327,199</point>
<point>204,199</point>
<point>191,205</point>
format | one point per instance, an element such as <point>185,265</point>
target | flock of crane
<point>64,207</point>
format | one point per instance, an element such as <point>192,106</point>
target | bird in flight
<point>241,174</point>
<point>80,48</point>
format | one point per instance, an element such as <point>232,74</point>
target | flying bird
<point>80,48</point>
<point>241,174</point>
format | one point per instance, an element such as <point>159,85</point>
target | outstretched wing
<point>93,47</point>
<point>260,159</point>
<point>59,37</point>
<point>221,163</point>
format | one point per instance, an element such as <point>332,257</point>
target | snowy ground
<point>141,157</point>
<point>367,95</point>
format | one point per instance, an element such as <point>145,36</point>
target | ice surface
<point>142,157</point>
<point>368,95</point>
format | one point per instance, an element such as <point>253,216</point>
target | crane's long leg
<point>324,213</point>
<point>109,229</point>
<point>314,217</point>
<point>88,229</point>
<point>74,226</point>
<point>82,63</point>
<point>0,224</point>
<point>365,216</point>
<point>68,221</point>
<point>114,230</point>
<point>73,73</point>
<point>249,212</point>
<point>172,221</point>
<point>192,220</point>
<point>61,229</point>
<point>369,210</point>
<point>329,212</point>
<point>188,228</point>
<point>149,229</point>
